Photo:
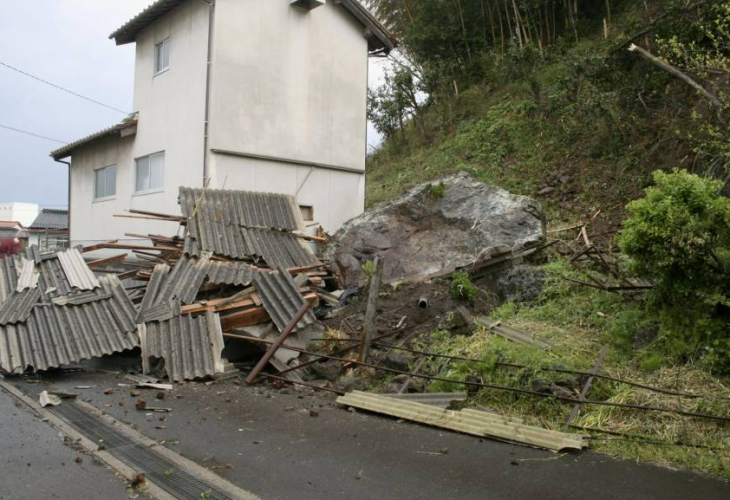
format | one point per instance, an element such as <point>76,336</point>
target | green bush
<point>678,234</point>
<point>462,288</point>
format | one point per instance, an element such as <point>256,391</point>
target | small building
<point>22,213</point>
<point>258,95</point>
<point>50,230</point>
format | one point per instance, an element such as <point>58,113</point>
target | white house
<point>264,95</point>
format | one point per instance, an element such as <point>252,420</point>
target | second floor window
<point>150,173</point>
<point>105,182</point>
<point>162,56</point>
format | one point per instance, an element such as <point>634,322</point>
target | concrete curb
<point>92,448</point>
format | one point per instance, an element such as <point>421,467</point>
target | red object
<point>8,248</point>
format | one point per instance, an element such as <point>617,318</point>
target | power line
<point>62,88</point>
<point>31,134</point>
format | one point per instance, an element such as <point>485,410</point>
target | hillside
<point>564,112</point>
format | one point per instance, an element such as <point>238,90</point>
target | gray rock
<point>521,283</point>
<point>348,383</point>
<point>397,361</point>
<point>422,233</point>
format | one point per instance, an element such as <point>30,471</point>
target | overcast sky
<point>64,42</point>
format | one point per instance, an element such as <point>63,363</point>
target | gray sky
<point>65,42</point>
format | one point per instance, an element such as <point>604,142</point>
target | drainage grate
<point>157,468</point>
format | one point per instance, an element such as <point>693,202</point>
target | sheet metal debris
<point>230,273</point>
<point>438,399</point>
<point>281,298</point>
<point>55,335</point>
<point>8,277</point>
<point>77,272</point>
<point>191,347</point>
<point>28,276</point>
<point>474,422</point>
<point>513,334</point>
<point>18,306</point>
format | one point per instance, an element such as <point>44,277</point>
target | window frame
<point>106,197</point>
<point>149,190</point>
<point>161,45</point>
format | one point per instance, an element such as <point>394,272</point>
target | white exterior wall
<point>285,83</point>
<point>171,109</point>
<point>25,213</point>
<point>290,84</point>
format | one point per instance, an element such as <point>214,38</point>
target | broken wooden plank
<point>588,384</point>
<point>371,309</point>
<point>513,334</point>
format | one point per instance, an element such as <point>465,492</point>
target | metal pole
<point>275,346</point>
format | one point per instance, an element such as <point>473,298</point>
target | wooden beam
<point>588,384</point>
<point>371,309</point>
<point>108,260</point>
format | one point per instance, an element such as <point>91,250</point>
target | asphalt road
<point>266,442</point>
<point>35,464</point>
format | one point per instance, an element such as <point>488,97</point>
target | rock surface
<point>436,228</point>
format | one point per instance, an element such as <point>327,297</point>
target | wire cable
<point>31,134</point>
<point>62,88</point>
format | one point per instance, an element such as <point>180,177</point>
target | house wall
<point>290,84</point>
<point>171,108</point>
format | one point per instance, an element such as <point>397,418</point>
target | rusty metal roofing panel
<point>209,209</point>
<point>477,423</point>
<point>56,335</point>
<point>8,277</point>
<point>190,346</point>
<point>77,272</point>
<point>230,273</point>
<point>438,399</point>
<point>28,276</point>
<point>281,298</point>
<point>168,289</point>
<point>18,306</point>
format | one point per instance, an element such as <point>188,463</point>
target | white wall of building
<point>171,109</point>
<point>285,83</point>
<point>25,213</point>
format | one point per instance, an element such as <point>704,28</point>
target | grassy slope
<point>596,153</point>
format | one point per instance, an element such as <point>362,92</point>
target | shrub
<point>462,288</point>
<point>678,234</point>
<point>8,248</point>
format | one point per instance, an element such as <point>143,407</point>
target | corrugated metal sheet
<point>211,209</point>
<point>77,272</point>
<point>53,280</point>
<point>472,422</point>
<point>168,289</point>
<point>438,399</point>
<point>281,298</point>
<point>230,273</point>
<point>56,335</point>
<point>17,307</point>
<point>28,276</point>
<point>191,347</point>
<point>8,277</point>
<point>275,248</point>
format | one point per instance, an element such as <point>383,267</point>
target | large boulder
<point>436,228</point>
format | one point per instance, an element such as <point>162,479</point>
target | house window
<point>105,182</point>
<point>150,173</point>
<point>162,56</point>
<point>307,213</point>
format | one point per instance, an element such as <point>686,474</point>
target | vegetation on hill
<point>586,105</point>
